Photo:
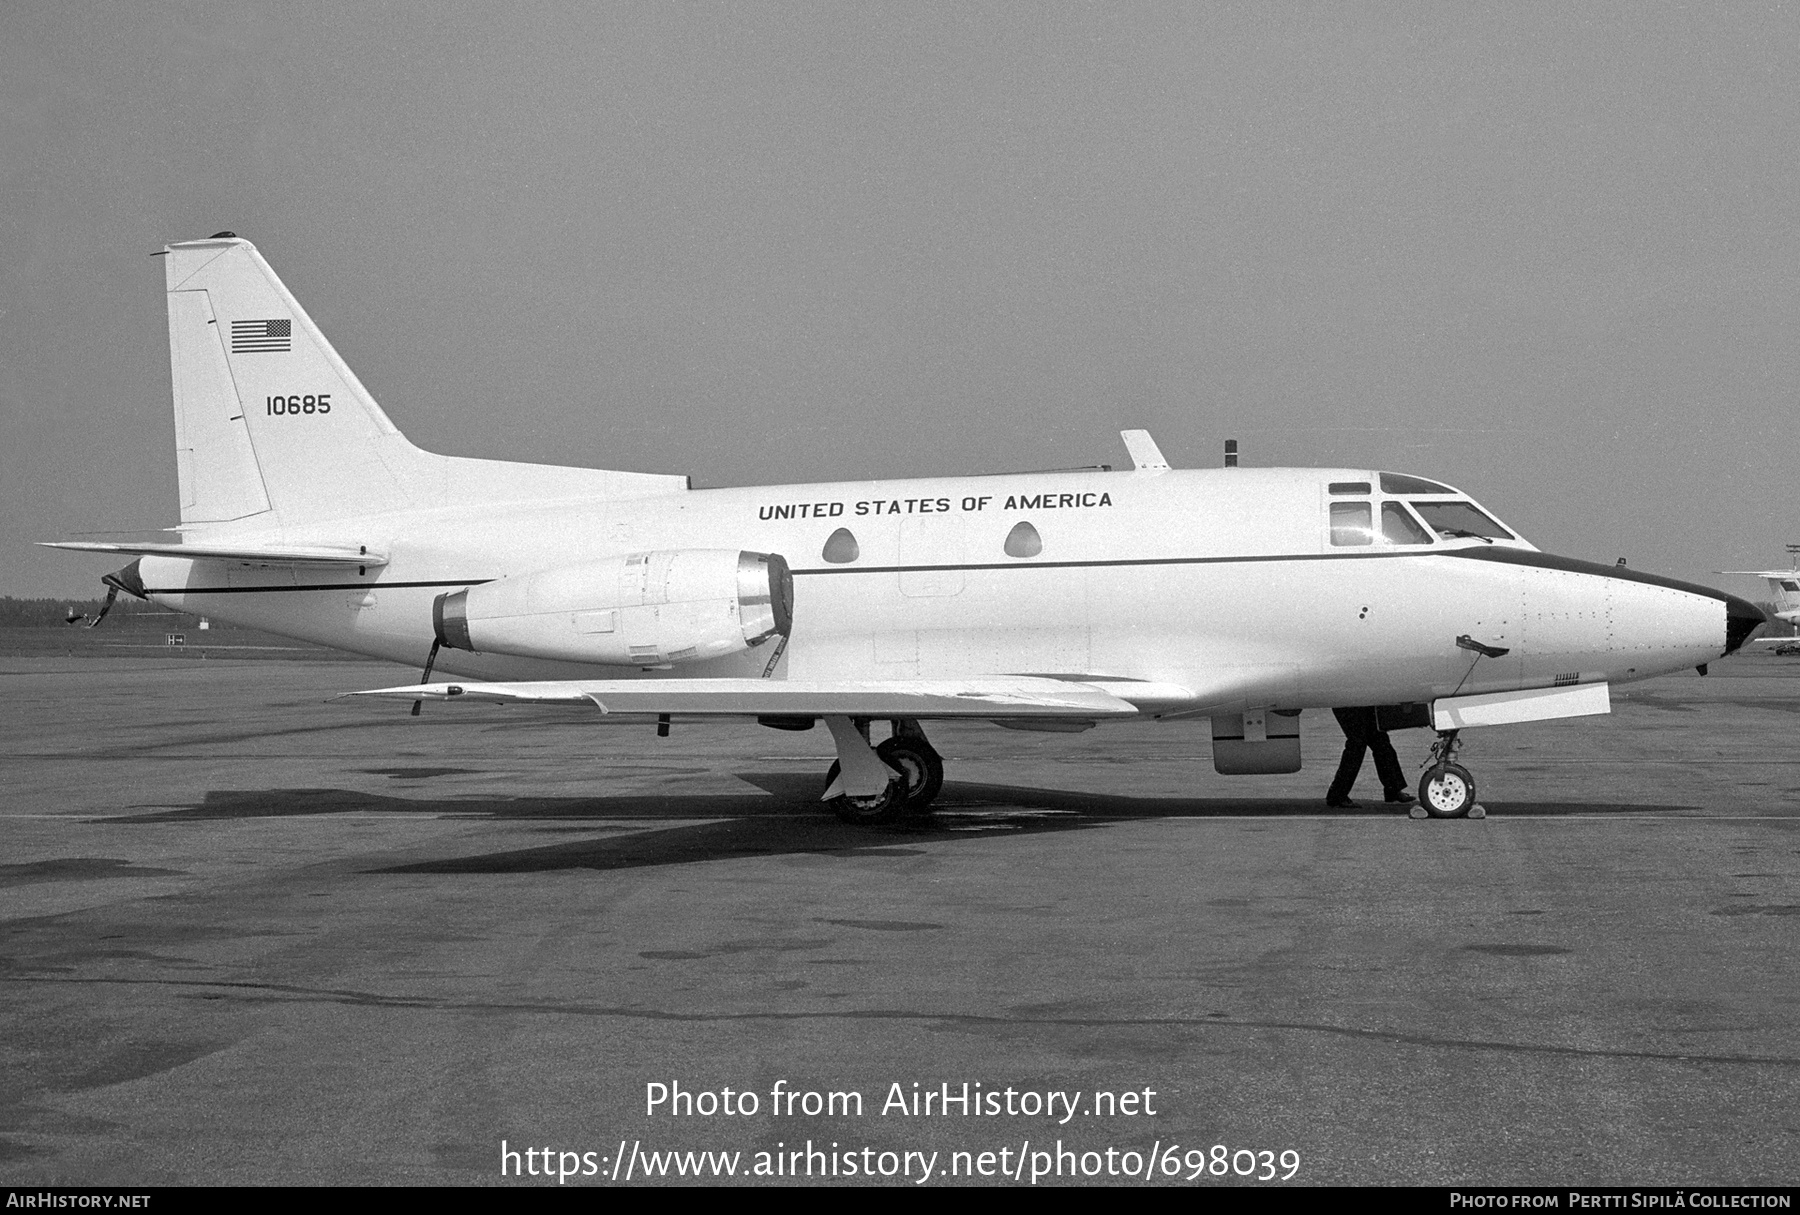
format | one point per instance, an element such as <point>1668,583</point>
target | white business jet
<point>1037,601</point>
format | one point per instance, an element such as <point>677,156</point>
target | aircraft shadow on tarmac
<point>784,818</point>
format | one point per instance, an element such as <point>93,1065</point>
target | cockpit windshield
<point>1459,520</point>
<point>1400,483</point>
<point>1399,527</point>
<point>1394,509</point>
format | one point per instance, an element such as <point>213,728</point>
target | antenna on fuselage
<point>1145,454</point>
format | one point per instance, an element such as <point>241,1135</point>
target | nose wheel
<point>1447,790</point>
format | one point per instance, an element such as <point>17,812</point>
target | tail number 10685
<point>278,406</point>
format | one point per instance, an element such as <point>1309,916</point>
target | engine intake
<point>641,609</point>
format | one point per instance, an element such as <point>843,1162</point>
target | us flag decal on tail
<point>259,337</point>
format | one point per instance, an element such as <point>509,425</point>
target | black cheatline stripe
<point>1504,556</point>
<point>1501,556</point>
<point>1574,565</point>
<point>1071,565</point>
<point>317,586</point>
<point>867,569</point>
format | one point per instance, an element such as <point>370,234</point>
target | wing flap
<point>931,698</point>
<point>268,554</point>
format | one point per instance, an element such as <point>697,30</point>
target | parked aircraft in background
<point>1784,586</point>
<point>1036,601</point>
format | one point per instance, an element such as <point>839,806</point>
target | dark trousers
<point>1362,733</point>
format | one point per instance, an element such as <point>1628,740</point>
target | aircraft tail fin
<point>271,425</point>
<point>1787,595</point>
<point>268,418</point>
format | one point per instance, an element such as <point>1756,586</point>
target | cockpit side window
<point>1458,520</point>
<point>1399,526</point>
<point>1352,523</point>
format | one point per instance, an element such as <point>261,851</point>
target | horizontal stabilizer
<point>270,554</point>
<point>1019,697</point>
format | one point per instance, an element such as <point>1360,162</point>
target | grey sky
<point>1549,253</point>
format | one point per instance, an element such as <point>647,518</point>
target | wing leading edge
<point>1015,697</point>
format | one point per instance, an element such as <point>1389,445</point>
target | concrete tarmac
<point>250,936</point>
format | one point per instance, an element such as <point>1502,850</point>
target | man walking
<point>1363,732</point>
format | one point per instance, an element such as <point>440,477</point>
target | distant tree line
<point>50,613</point>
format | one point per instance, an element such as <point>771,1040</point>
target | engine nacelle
<point>642,609</point>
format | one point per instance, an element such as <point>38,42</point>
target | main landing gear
<point>881,784</point>
<point>1446,790</point>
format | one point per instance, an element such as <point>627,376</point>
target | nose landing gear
<point>1446,790</point>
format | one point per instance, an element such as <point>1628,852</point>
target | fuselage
<point>1249,588</point>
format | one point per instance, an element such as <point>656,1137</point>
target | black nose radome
<point>1741,619</point>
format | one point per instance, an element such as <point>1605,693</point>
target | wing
<point>268,554</point>
<point>1004,697</point>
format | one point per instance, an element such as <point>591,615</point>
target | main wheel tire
<point>1447,791</point>
<point>920,766</point>
<point>867,811</point>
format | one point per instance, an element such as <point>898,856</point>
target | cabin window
<point>1399,526</point>
<point>841,548</point>
<point>1789,586</point>
<point>1400,483</point>
<point>1023,541</point>
<point>1459,520</point>
<point>1349,487</point>
<point>1352,523</point>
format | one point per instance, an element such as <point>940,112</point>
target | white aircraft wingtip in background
<point>1035,601</point>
